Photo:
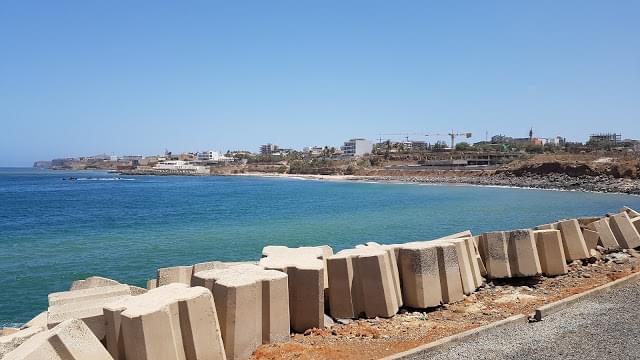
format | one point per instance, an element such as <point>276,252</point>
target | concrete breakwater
<point>225,310</point>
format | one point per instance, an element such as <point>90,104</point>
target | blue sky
<point>122,77</point>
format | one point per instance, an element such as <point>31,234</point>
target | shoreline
<point>553,182</point>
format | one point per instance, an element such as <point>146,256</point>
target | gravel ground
<point>604,327</point>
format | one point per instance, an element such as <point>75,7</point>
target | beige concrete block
<point>320,252</point>
<point>460,235</point>
<point>136,290</point>
<point>494,251</point>
<point>631,212</point>
<point>70,340</point>
<point>573,242</point>
<point>175,274</point>
<point>305,267</point>
<point>606,238</point>
<point>252,306</point>
<point>585,221</point>
<point>171,322</point>
<point>366,282</point>
<point>39,320</point>
<point>8,331</point>
<point>483,269</point>
<point>636,223</point>
<point>591,238</point>
<point>67,297</point>
<point>449,268</point>
<point>85,305</point>
<point>392,259</point>
<point>523,254</point>
<point>464,262</point>
<point>12,339</point>
<point>550,252</point>
<point>474,259</point>
<point>625,232</point>
<point>420,275</point>
<point>91,282</point>
<point>152,284</point>
<point>552,226</point>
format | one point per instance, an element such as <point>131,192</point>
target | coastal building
<point>356,147</point>
<point>269,149</point>
<point>213,157</point>
<point>180,167</point>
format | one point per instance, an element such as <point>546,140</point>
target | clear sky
<point>136,77</point>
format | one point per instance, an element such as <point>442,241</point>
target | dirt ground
<point>497,300</point>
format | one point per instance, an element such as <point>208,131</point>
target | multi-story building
<point>356,147</point>
<point>269,149</point>
<point>213,156</point>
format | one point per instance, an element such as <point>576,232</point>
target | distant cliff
<point>42,164</point>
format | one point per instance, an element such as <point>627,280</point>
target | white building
<point>357,147</point>
<point>213,156</point>
<point>180,166</point>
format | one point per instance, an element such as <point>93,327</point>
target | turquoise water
<point>53,231</point>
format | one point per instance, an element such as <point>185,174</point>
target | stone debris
<point>85,305</point>
<point>174,321</point>
<point>305,267</point>
<point>550,252</point>
<point>9,340</point>
<point>252,306</point>
<point>573,242</point>
<point>69,340</point>
<point>625,232</point>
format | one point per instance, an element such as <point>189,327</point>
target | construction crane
<point>453,135</point>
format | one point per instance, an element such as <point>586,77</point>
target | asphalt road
<point>606,326</point>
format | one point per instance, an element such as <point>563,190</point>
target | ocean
<point>54,231</point>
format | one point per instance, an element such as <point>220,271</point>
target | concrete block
<point>625,232</point>
<point>170,322</point>
<point>85,305</point>
<point>483,269</point>
<point>364,282</point>
<point>11,340</point>
<point>39,320</point>
<point>550,252</point>
<point>591,238</point>
<point>449,269</point>
<point>606,238</point>
<point>420,275</point>
<point>465,263</point>
<point>632,213</point>
<point>152,284</point>
<point>8,331</point>
<point>494,251</point>
<point>636,223</point>
<point>91,282</point>
<point>305,267</point>
<point>523,253</point>
<point>175,274</point>
<point>252,306</point>
<point>70,340</point>
<point>585,221</point>
<point>573,242</point>
<point>552,226</point>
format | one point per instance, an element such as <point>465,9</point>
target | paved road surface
<point>606,326</point>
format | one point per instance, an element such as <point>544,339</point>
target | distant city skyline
<point>83,78</point>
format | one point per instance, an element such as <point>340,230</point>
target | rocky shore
<point>603,183</point>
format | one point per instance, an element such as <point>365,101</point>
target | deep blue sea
<point>54,231</point>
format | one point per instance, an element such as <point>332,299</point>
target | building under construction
<point>605,138</point>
